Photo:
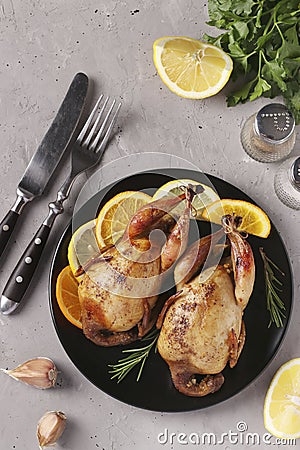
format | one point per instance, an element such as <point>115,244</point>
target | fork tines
<point>98,127</point>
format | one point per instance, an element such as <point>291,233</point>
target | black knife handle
<point>24,270</point>
<point>6,228</point>
<point>9,222</point>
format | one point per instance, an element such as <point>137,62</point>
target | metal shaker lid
<point>274,123</point>
<point>295,172</point>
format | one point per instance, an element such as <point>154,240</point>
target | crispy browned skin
<point>119,292</point>
<point>110,316</point>
<point>186,383</point>
<point>203,329</point>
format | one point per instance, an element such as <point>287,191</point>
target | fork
<point>86,153</point>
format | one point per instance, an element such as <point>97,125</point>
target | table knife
<point>48,154</point>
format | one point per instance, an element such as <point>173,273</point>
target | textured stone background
<point>42,45</point>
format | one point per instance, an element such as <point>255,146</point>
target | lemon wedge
<point>200,201</point>
<point>282,402</point>
<point>191,68</point>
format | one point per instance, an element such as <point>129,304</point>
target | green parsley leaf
<point>262,37</point>
<point>241,95</point>
<point>260,87</point>
<point>274,72</point>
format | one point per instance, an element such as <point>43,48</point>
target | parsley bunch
<point>262,37</point>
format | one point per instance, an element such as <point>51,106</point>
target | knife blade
<point>47,155</point>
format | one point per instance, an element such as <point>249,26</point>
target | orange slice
<point>254,219</point>
<point>67,296</point>
<point>116,214</point>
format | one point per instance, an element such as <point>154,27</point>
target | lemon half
<point>191,68</point>
<point>282,402</point>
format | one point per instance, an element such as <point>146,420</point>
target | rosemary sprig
<point>275,305</point>
<point>137,356</point>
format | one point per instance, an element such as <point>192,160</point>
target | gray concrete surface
<point>42,45</point>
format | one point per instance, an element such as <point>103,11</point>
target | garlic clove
<point>50,428</point>
<point>38,372</point>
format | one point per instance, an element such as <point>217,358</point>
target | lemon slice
<point>191,68</point>
<point>200,201</point>
<point>254,219</point>
<point>115,215</point>
<point>282,402</point>
<point>83,246</point>
<point>67,296</point>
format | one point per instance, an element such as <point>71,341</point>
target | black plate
<point>155,390</point>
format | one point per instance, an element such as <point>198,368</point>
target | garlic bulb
<point>50,428</point>
<point>38,372</point>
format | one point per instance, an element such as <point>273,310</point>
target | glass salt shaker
<point>287,183</point>
<point>269,135</point>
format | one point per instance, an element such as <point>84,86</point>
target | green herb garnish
<point>275,305</point>
<point>262,37</point>
<point>137,356</point>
